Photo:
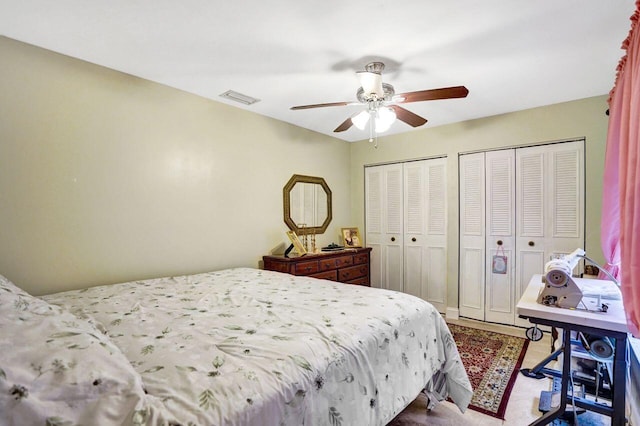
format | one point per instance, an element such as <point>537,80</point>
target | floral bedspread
<point>252,347</point>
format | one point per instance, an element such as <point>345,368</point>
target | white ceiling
<point>510,54</point>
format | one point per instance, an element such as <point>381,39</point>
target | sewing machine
<point>560,289</point>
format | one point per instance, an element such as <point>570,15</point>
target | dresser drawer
<point>360,281</point>
<point>276,266</point>
<point>326,275</point>
<point>361,258</point>
<point>336,262</point>
<point>353,272</point>
<point>306,268</point>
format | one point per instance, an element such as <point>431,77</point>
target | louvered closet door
<point>425,225</point>
<point>531,244</point>
<point>566,202</point>
<point>384,229</point>
<point>500,235</point>
<point>472,235</point>
<point>550,206</point>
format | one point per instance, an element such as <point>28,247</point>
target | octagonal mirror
<point>307,204</point>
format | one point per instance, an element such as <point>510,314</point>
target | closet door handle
<point>413,239</point>
<point>393,239</point>
<point>499,242</point>
<point>531,244</point>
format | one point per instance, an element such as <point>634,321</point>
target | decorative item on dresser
<point>349,266</point>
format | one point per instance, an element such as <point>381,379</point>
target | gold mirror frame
<point>286,192</point>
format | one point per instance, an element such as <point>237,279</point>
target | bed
<point>239,346</point>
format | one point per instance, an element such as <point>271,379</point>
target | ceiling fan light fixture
<point>371,83</point>
<point>361,119</point>
<point>385,117</point>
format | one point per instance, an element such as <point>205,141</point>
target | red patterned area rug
<point>492,361</point>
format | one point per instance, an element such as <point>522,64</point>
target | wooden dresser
<point>347,266</point>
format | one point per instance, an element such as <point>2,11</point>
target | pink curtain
<point>621,200</point>
<point>610,226</point>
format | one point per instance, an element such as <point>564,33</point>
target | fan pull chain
<point>371,132</point>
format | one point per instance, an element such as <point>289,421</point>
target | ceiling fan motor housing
<point>376,67</point>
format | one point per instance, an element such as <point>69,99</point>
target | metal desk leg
<point>566,371</point>
<point>618,389</point>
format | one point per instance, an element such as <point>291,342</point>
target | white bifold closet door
<point>384,227</point>
<point>526,204</point>
<point>406,224</point>
<point>550,208</point>
<point>487,207</point>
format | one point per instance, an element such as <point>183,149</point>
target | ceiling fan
<point>382,102</point>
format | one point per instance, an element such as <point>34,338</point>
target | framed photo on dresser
<point>351,237</point>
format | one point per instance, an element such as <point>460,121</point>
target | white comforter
<point>252,347</point>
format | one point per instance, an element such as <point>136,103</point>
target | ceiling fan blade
<point>346,124</point>
<point>330,104</point>
<point>432,95</point>
<point>407,116</point>
<point>371,83</point>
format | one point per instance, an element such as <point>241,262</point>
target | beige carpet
<point>442,414</point>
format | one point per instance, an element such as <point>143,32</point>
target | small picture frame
<point>351,237</point>
<point>296,243</point>
<point>499,264</point>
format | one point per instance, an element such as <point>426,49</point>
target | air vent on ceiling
<point>239,97</point>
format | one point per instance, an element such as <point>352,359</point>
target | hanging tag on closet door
<point>499,263</point>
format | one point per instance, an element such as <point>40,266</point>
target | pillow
<point>58,369</point>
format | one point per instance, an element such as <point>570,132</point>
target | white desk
<point>607,324</point>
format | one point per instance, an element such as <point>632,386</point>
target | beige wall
<point>584,118</point>
<point>105,177</point>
